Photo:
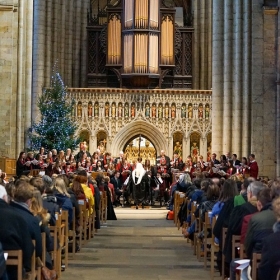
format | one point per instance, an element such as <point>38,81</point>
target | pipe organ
<point>139,45</point>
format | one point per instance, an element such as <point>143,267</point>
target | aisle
<point>145,247</point>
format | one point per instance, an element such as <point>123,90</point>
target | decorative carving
<point>103,39</point>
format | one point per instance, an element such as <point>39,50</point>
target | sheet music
<point>126,181</point>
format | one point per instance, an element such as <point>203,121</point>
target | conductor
<point>138,184</point>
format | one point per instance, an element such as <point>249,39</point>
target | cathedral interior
<point>147,74</point>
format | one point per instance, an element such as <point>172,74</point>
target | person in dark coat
<point>138,184</point>
<point>270,261</point>
<point>237,215</point>
<point>229,192</point>
<point>96,202</point>
<point>103,187</point>
<point>21,204</point>
<point>49,200</point>
<point>14,234</point>
<point>20,164</point>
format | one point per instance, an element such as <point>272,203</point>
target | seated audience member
<point>14,234</point>
<point>82,178</point>
<point>10,188</point>
<point>43,217</point>
<point>96,202</point>
<point>49,199</point>
<point>21,205</point>
<point>229,192</point>
<point>270,261</point>
<point>72,196</point>
<point>103,184</point>
<point>260,225</point>
<point>237,215</point>
<point>263,199</point>
<point>116,181</point>
<point>63,197</point>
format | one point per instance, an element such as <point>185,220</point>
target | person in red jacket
<point>253,166</point>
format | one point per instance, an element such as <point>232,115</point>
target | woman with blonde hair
<point>36,208</point>
<point>63,197</point>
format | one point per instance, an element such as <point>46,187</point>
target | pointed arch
<point>133,129</point>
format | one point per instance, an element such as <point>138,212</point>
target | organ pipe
<point>167,44</point>
<point>114,40</point>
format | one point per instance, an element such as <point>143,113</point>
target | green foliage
<point>56,129</point>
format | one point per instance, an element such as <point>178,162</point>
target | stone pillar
<point>237,77</point>
<point>77,42</point>
<point>217,76</point>
<point>83,70</point>
<point>196,44</point>
<point>228,81</point>
<point>202,44</point>
<point>69,43</point>
<point>278,99</point>
<point>185,149</point>
<point>62,38</point>
<point>48,43</point>
<point>38,54</point>
<point>269,93</point>
<point>257,98</point>
<point>28,66</point>
<point>20,76</point>
<point>246,77</point>
<point>209,28</point>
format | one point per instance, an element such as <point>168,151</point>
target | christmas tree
<point>56,129</point>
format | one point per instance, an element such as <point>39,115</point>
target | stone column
<point>63,37</point>
<point>237,77</point>
<point>69,43</point>
<point>28,66</point>
<point>257,98</point>
<point>196,71</point>
<point>48,43</point>
<point>209,27</point>
<point>83,44</point>
<point>184,148</point>
<point>20,76</point>
<point>278,99</point>
<point>246,77</point>
<point>202,45</point>
<point>269,93</point>
<point>38,54</point>
<point>228,81</point>
<point>217,76</point>
<point>77,41</point>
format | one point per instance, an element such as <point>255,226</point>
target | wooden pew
<point>15,259</point>
<point>224,234</point>
<point>72,235</point>
<point>53,232</point>
<point>214,249</point>
<point>255,264</point>
<point>207,241</point>
<point>64,235</point>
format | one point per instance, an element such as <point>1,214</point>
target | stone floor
<point>141,244</point>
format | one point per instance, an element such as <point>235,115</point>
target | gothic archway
<point>140,146</point>
<point>133,130</point>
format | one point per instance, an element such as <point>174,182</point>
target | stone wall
<point>59,39</point>
<point>202,72</point>
<point>15,74</point>
<point>244,87</point>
